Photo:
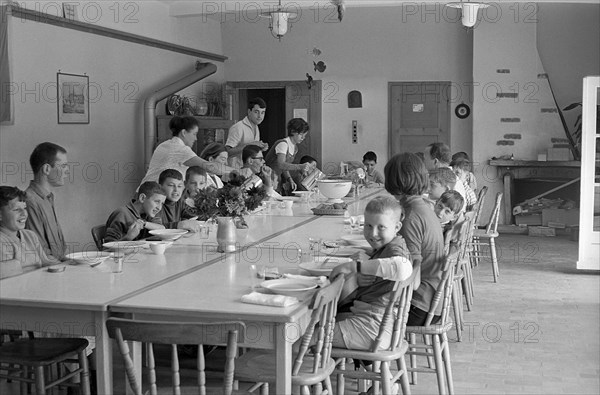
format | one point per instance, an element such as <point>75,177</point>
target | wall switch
<point>354,132</point>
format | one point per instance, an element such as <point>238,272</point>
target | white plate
<point>323,265</point>
<point>302,193</point>
<point>290,287</point>
<point>169,234</point>
<point>340,251</point>
<point>125,246</point>
<point>92,258</point>
<point>356,240</point>
<point>292,198</point>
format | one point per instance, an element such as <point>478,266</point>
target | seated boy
<point>441,180</point>
<point>299,175</point>
<point>448,206</point>
<point>373,177</point>
<point>196,179</point>
<point>469,177</point>
<point>20,249</point>
<point>134,220</point>
<point>462,168</point>
<point>171,181</point>
<point>360,312</point>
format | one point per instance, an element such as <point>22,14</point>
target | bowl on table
<point>334,190</point>
<point>300,289</point>
<point>126,247</point>
<point>159,247</point>
<point>357,240</point>
<point>168,234</point>
<point>323,265</point>
<point>92,258</point>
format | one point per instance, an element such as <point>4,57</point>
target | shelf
<point>36,16</point>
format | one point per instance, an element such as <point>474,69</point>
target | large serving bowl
<point>334,190</point>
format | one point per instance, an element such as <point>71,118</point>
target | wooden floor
<point>536,331</point>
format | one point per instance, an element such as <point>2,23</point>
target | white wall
<point>509,44</point>
<point>106,155</point>
<point>364,52</point>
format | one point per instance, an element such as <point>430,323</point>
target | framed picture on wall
<point>73,98</point>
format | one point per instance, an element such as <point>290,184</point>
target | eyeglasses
<point>258,157</point>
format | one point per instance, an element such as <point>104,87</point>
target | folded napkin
<point>269,300</point>
<point>320,280</point>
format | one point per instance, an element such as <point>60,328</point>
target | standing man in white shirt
<point>246,132</point>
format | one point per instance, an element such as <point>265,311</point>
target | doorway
<point>285,100</point>
<point>273,127</point>
<point>418,115</point>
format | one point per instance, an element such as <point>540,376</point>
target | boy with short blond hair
<point>134,220</point>
<point>360,312</point>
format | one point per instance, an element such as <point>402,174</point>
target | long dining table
<point>192,281</point>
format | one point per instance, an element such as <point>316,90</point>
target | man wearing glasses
<point>50,169</point>
<point>254,160</point>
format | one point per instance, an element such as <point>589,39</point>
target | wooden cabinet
<point>211,130</point>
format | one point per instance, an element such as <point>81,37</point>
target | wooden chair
<point>487,237</point>
<point>35,357</point>
<point>396,314</point>
<point>476,221</point>
<point>310,368</point>
<point>174,333</point>
<point>98,234</point>
<point>435,336</point>
<point>460,237</point>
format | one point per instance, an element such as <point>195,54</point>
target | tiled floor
<point>536,331</point>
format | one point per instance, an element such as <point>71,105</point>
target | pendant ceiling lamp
<point>279,21</point>
<point>469,11</point>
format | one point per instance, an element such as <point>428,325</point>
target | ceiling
<point>180,8</point>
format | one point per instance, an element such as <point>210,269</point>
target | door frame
<point>314,115</point>
<point>391,84</point>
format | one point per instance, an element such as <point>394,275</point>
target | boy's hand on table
<point>343,270</point>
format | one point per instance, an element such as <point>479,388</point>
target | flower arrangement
<point>233,200</point>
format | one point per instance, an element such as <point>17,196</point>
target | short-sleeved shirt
<point>120,220</point>
<point>21,253</point>
<point>170,154</point>
<point>242,132</point>
<point>376,177</point>
<point>423,235</point>
<point>44,221</point>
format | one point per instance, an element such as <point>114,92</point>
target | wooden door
<point>418,115</point>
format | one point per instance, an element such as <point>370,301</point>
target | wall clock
<point>462,111</point>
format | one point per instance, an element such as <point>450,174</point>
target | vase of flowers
<point>227,206</point>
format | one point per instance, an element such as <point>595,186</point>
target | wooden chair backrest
<point>444,289</point>
<point>324,308</point>
<point>174,333</point>
<point>479,205</point>
<point>98,234</point>
<point>492,226</point>
<point>397,310</point>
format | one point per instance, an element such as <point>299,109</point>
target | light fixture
<point>469,11</point>
<point>279,21</point>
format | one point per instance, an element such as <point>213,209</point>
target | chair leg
<point>375,383</point>
<point>328,386</point>
<point>413,358</point>
<point>404,378</point>
<point>386,378</point>
<point>427,341</point>
<point>439,365</point>
<point>494,259</point>
<point>24,386</point>
<point>84,376</point>
<point>455,307</point>
<point>447,363</point>
<point>341,382</point>
<point>40,382</point>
